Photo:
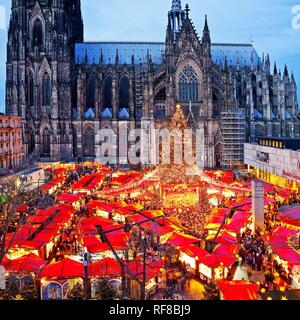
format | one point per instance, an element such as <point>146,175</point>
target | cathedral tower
<point>40,64</point>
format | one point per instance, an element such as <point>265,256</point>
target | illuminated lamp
<point>269,298</point>
<point>263,290</point>
<point>282,289</point>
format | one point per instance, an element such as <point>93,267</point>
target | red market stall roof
<point>105,267</point>
<point>246,207</point>
<point>285,193</point>
<point>137,269</point>
<point>119,238</point>
<point>277,241</point>
<point>216,220</point>
<point>179,240</point>
<point>157,228</point>
<point>242,215</point>
<point>24,233</point>
<point>69,198</point>
<point>226,250</point>
<point>213,261</point>
<point>104,206</point>
<point>94,244</point>
<point>291,213</point>
<point>94,221</point>
<point>194,251</point>
<point>28,263</point>
<point>66,268</point>
<point>235,226</point>
<point>284,232</point>
<point>287,254</point>
<point>238,290</point>
<point>125,178</point>
<point>38,219</point>
<point>88,182</point>
<point>225,237</point>
<point>267,186</point>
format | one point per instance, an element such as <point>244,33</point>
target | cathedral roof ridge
<point>233,44</point>
<point>122,42</point>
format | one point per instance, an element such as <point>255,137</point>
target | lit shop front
<point>277,166</point>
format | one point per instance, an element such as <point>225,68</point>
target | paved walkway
<point>241,273</point>
<point>194,290</point>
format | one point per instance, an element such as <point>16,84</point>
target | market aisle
<point>194,290</point>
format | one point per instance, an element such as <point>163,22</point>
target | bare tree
<point>14,191</point>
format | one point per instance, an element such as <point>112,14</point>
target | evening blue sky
<point>268,23</point>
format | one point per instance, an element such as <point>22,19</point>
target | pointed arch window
<point>31,142</point>
<point>46,143</point>
<point>46,90</point>
<point>90,92</point>
<point>124,92</point>
<point>30,90</point>
<point>188,85</point>
<point>108,92</point>
<point>89,142</point>
<point>37,33</point>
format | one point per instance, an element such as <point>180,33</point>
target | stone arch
<point>194,81</point>
<point>37,30</point>
<point>107,92</point>
<point>88,143</point>
<point>124,87</point>
<point>46,142</point>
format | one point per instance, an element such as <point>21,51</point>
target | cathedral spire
<point>176,18</point>
<point>275,68</point>
<point>206,33</point>
<point>286,71</point>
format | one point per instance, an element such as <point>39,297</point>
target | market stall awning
<point>105,267</point>
<point>213,261</point>
<point>66,268</point>
<point>225,237</point>
<point>137,269</point>
<point>179,240</point>
<point>194,251</point>
<point>238,290</point>
<point>29,263</point>
<point>235,226</point>
<point>226,250</point>
<point>242,215</point>
<point>69,198</point>
<point>284,232</point>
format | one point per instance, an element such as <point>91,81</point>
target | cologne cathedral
<point>67,90</point>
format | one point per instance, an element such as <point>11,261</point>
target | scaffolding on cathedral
<point>233,129</point>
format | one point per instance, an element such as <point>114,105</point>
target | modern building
<point>276,161</point>
<point>11,142</point>
<point>67,90</point>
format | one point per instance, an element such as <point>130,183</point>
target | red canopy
<point>182,241</point>
<point>137,269</point>
<point>226,250</point>
<point>235,226</point>
<point>214,261</point>
<point>284,232</point>
<point>242,215</point>
<point>29,263</point>
<point>194,251</point>
<point>66,268</point>
<point>69,198</point>
<point>105,267</point>
<point>238,290</point>
<point>225,237</point>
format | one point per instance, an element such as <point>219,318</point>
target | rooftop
<point>240,54</point>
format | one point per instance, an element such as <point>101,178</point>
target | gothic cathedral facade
<point>67,90</point>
